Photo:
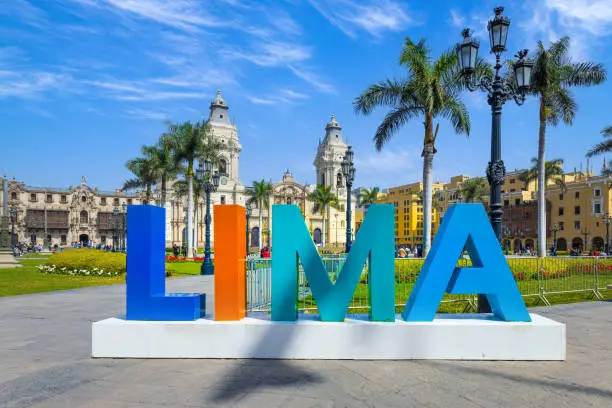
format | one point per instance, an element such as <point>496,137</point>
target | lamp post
<point>507,239</point>
<point>499,91</point>
<point>348,170</point>
<point>210,182</point>
<point>555,229</point>
<point>116,238</point>
<point>13,213</point>
<point>249,211</point>
<point>586,233</point>
<point>607,219</point>
<point>123,227</point>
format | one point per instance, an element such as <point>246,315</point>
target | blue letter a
<point>466,225</point>
<point>290,240</point>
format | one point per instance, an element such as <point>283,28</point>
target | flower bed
<point>179,259</point>
<point>85,262</point>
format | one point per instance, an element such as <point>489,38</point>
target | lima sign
<point>465,226</point>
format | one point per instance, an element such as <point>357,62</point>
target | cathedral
<point>83,213</point>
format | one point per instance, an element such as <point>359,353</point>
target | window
<point>103,201</point>
<point>597,192</point>
<point>560,197</point>
<point>13,196</point>
<point>577,194</point>
<point>32,197</point>
<point>561,210</point>
<point>63,240</point>
<point>63,199</point>
<point>49,198</point>
<point>512,190</point>
<point>597,208</point>
<point>115,201</point>
<point>577,210</point>
<point>512,181</point>
<point>84,199</point>
<point>223,200</point>
<point>561,226</point>
<point>222,166</point>
<point>577,225</point>
<point>517,201</point>
<point>83,217</point>
<point>288,200</point>
<point>221,116</point>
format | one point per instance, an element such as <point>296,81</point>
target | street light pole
<point>555,228</point>
<point>13,213</point>
<point>348,170</point>
<point>499,91</point>
<point>607,219</point>
<point>210,182</point>
<point>249,211</point>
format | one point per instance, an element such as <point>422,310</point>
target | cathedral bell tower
<point>329,158</point>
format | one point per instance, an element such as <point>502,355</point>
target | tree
<point>261,195</point>
<point>323,198</point>
<point>553,75</point>
<point>430,91</point>
<point>188,141</point>
<point>367,197</point>
<point>162,155</point>
<point>474,189</point>
<point>602,147</point>
<point>181,189</point>
<point>553,172</point>
<point>146,175</point>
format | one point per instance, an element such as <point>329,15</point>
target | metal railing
<point>538,278</point>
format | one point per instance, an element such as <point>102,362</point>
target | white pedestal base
<point>448,337</point>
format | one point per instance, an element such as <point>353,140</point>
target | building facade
<point>63,216</point>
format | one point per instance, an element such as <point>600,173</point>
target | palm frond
<point>415,57</point>
<point>393,122</point>
<point>385,93</point>
<point>585,74</point>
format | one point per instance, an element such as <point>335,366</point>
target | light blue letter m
<point>374,241</point>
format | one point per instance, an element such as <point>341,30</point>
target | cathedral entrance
<point>84,239</point>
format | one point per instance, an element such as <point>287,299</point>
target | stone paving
<point>45,362</point>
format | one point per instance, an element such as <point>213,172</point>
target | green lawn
<point>28,279</point>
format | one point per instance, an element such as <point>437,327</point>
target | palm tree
<point>323,198</point>
<point>553,172</point>
<point>367,197</point>
<point>162,155</point>
<point>146,175</point>
<point>474,189</point>
<point>553,75</point>
<point>181,189</point>
<point>430,91</point>
<point>188,141</point>
<point>261,195</point>
<point>602,147</point>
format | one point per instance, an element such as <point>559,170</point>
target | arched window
<point>83,217</point>
<point>339,180</point>
<point>322,179</point>
<point>317,236</point>
<point>13,196</point>
<point>254,237</point>
<point>84,199</point>
<point>222,166</point>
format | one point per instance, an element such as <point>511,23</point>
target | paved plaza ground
<point>45,343</point>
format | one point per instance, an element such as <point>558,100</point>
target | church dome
<point>219,102</point>
<point>333,123</point>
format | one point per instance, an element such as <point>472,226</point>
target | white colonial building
<point>83,213</point>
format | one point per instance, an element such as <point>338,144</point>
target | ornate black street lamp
<point>607,219</point>
<point>115,228</point>
<point>211,183</point>
<point>124,226</point>
<point>499,90</point>
<point>586,233</point>
<point>507,233</point>
<point>555,229</point>
<point>249,211</point>
<point>348,170</point>
<point>13,213</point>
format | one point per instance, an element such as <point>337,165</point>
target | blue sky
<point>85,83</point>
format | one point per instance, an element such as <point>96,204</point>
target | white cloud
<point>311,78</point>
<point>271,54</point>
<point>284,96</point>
<point>24,12</point>
<point>457,19</point>
<point>147,114</point>
<point>594,16</point>
<point>140,91</point>
<point>373,17</point>
<point>30,84</point>
<point>398,166</point>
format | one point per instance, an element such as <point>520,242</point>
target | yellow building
<point>579,212</point>
<point>409,213</point>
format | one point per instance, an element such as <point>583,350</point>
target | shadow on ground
<point>248,376</point>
